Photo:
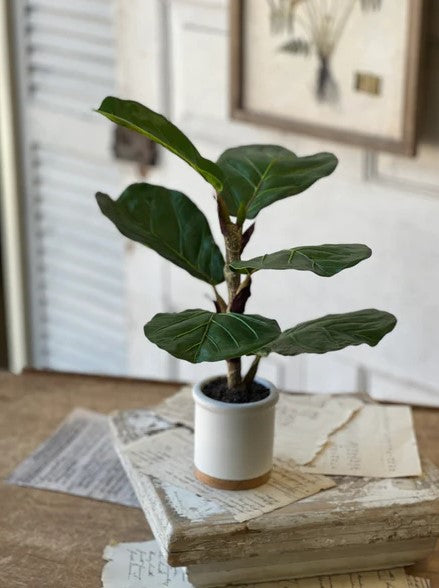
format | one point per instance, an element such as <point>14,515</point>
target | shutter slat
<point>65,165</point>
<point>90,246</point>
<point>72,360</point>
<point>59,339</point>
<point>77,321</point>
<point>51,156</point>
<point>70,46</point>
<point>61,268</point>
<point>49,82</point>
<point>59,23</point>
<point>79,9</point>
<point>64,281</point>
<point>94,314</point>
<point>55,215</point>
<point>94,262</point>
<point>81,211</point>
<point>76,65</point>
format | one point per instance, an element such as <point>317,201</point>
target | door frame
<point>10,202</point>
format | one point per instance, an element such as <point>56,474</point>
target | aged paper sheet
<point>414,582</point>
<point>79,458</point>
<point>131,425</point>
<point>379,441</point>
<point>168,457</point>
<point>303,422</point>
<point>137,565</point>
<point>380,579</point>
<point>178,409</point>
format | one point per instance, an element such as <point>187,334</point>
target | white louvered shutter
<point>67,65</point>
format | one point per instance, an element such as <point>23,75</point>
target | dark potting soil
<point>217,390</point>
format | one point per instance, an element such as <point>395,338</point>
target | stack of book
<point>357,524</point>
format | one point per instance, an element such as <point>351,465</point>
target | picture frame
<point>250,66</point>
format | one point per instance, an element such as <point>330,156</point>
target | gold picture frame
<point>406,139</point>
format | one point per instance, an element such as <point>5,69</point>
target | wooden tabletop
<point>53,540</point>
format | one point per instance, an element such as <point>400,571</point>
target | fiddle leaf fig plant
<point>246,179</point>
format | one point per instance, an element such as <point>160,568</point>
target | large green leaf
<point>170,223</point>
<point>323,260</point>
<point>137,117</point>
<point>255,176</point>
<point>198,335</point>
<point>334,332</point>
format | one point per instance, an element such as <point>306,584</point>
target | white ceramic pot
<point>234,442</point>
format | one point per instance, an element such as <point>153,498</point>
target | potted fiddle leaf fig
<point>234,413</point>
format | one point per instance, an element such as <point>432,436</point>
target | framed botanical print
<point>344,70</point>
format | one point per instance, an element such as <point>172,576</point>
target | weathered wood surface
<point>52,540</point>
<point>394,516</point>
<point>350,515</point>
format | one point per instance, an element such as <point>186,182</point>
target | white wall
<point>390,203</point>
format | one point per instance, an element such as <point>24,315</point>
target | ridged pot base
<point>220,484</point>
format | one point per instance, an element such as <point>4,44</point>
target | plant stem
<point>244,284</point>
<point>252,372</point>
<point>222,305</point>
<point>233,242</point>
<point>232,239</point>
<point>234,379</point>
